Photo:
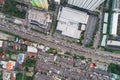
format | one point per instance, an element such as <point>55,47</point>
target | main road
<point>65,46</point>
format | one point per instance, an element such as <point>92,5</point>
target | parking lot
<point>90,28</point>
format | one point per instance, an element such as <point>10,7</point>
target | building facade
<point>86,4</point>
<point>40,3</point>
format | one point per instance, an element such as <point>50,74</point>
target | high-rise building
<point>40,3</point>
<point>86,4</point>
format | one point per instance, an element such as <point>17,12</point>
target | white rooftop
<point>106,17</point>
<point>6,75</point>
<point>104,28</point>
<point>69,14</point>
<point>103,43</point>
<point>58,1</point>
<point>114,24</point>
<point>32,49</point>
<point>68,22</point>
<point>1,43</point>
<point>113,43</point>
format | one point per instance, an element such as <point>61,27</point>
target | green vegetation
<point>9,33</point>
<point>110,15</point>
<point>11,52</point>
<point>114,68</point>
<point>1,50</point>
<point>118,30</point>
<point>30,63</point>
<point>43,72</point>
<point>51,50</point>
<point>1,77</point>
<point>68,53</point>
<point>28,78</point>
<point>110,50</point>
<point>19,76</point>
<point>63,2</point>
<point>79,57</point>
<point>89,59</point>
<point>79,42</point>
<point>11,9</point>
<point>52,7</point>
<point>75,56</point>
<point>53,25</point>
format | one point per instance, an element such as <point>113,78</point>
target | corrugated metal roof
<point>103,43</point>
<point>106,17</point>
<point>104,28</point>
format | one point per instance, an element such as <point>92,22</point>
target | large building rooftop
<point>114,24</point>
<point>113,43</point>
<point>86,4</point>
<point>71,22</point>
<point>103,43</point>
<point>39,18</point>
<point>32,49</point>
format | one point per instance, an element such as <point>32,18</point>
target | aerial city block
<point>59,39</point>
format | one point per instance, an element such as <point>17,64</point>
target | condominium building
<point>40,3</point>
<point>86,4</point>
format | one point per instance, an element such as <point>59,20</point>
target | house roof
<point>106,17</point>
<point>103,43</point>
<point>105,28</point>
<point>2,54</point>
<point>21,58</point>
<point>6,75</point>
<point>113,43</point>
<point>2,1</point>
<point>30,54</point>
<point>8,65</point>
<point>1,43</point>
<point>32,49</point>
<point>114,24</point>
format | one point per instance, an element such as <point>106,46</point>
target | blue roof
<point>20,58</point>
<point>17,39</point>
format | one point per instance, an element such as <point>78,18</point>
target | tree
<point>114,68</point>
<point>30,63</point>
<point>19,76</point>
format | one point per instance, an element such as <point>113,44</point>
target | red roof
<point>2,1</point>
<point>2,54</point>
<point>9,66</point>
<point>94,64</point>
<point>15,47</point>
<point>20,66</point>
<point>12,77</point>
<point>31,54</point>
<point>39,68</point>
